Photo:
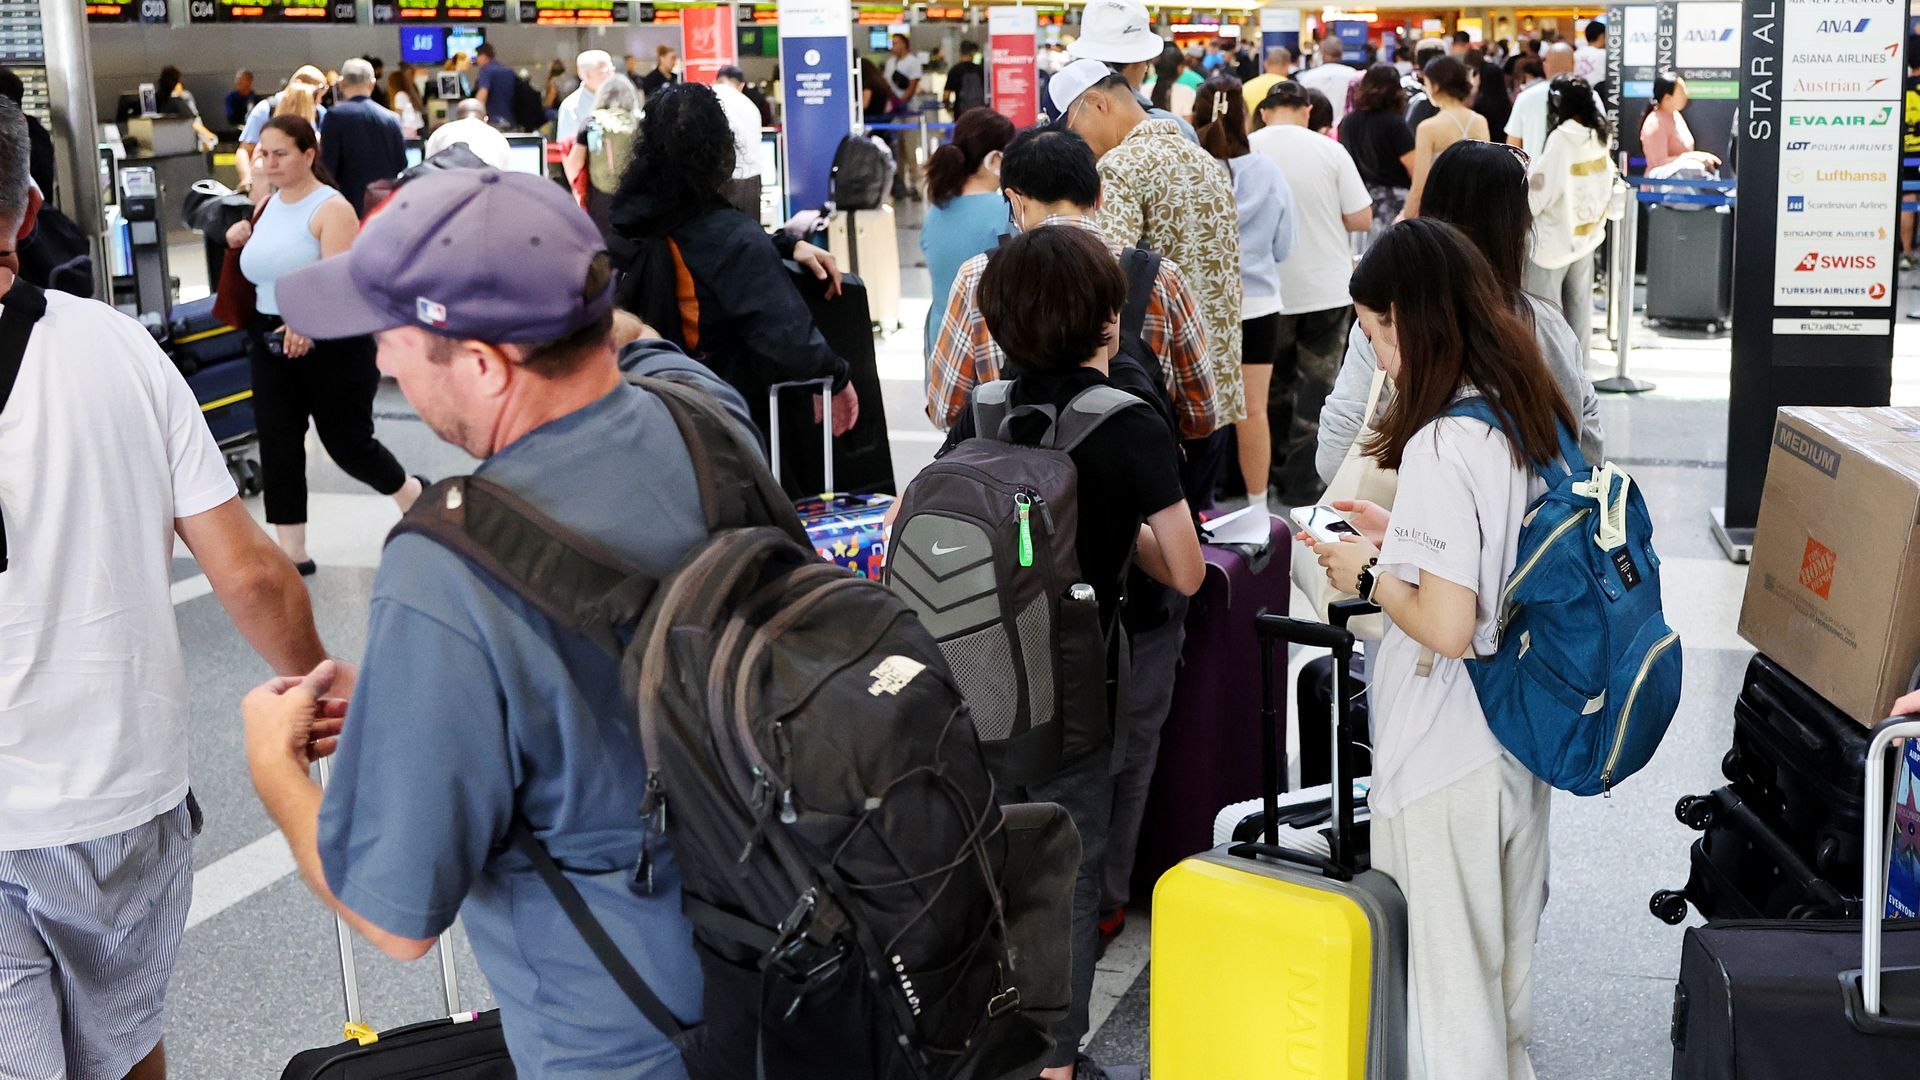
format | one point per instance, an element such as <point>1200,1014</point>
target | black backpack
<point>863,906</point>
<point>529,112</point>
<point>984,550</point>
<point>970,90</point>
<point>863,170</point>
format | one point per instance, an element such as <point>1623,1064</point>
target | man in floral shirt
<point>1161,192</point>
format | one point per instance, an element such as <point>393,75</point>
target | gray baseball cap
<point>477,254</point>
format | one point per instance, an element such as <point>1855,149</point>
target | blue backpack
<point>1586,675</point>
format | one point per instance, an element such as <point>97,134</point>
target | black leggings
<point>333,384</point>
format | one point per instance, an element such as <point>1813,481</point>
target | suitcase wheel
<point>1730,765</point>
<point>1695,812</point>
<point>1669,907</point>
<point>246,475</point>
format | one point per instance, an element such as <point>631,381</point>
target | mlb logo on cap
<point>430,313</point>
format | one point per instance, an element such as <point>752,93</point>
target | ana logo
<point>1843,26</point>
<point>1796,204</point>
<point>1816,568</point>
<point>1710,34</point>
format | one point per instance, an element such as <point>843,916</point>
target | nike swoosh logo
<point>938,550</point>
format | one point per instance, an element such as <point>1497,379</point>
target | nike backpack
<point>1586,674</point>
<point>983,552</point>
<point>864,908</point>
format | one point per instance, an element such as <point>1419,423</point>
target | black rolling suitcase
<point>863,457</point>
<point>1314,697</point>
<point>1795,1000</point>
<point>1690,267</point>
<point>458,1046</point>
<point>1782,840</point>
<point>196,338</point>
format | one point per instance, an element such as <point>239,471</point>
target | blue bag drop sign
<point>816,64</point>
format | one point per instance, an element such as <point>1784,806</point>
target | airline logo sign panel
<point>1839,138</point>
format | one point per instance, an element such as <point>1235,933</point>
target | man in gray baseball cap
<point>490,296</point>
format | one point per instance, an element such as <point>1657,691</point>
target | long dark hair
<point>979,131</point>
<point>1570,98</point>
<point>684,152</point>
<point>169,82</point>
<point>1480,188</point>
<point>1166,72</point>
<point>1380,91</point>
<point>1455,329</point>
<point>297,128</point>
<point>1493,101</point>
<point>1222,109</point>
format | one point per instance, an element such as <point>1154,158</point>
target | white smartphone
<point>1323,523</point>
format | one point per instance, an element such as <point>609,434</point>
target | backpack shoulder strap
<point>1086,412</point>
<point>1571,459</point>
<point>19,310</point>
<point>604,949</point>
<point>574,581</point>
<point>1142,268</point>
<point>23,306</point>
<point>990,407</point>
<point>737,489</point>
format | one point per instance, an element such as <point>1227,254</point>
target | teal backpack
<point>1586,675</point>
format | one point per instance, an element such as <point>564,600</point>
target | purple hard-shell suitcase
<point>1209,753</point>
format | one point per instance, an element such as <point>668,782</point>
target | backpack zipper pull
<point>1023,508</point>
<point>788,815</point>
<point>653,822</point>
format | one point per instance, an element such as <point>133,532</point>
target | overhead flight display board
<point>127,11</point>
<point>272,11</point>
<point>388,12</point>
<point>575,12</point>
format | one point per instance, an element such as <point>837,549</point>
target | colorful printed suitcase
<point>847,530</point>
<point>1271,963</point>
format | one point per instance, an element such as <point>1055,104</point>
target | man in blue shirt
<point>494,86</point>
<point>360,140</point>
<point>241,99</point>
<point>489,294</point>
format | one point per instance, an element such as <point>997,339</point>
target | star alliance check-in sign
<point>1839,138</point>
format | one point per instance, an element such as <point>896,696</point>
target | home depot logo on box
<point>1816,568</point>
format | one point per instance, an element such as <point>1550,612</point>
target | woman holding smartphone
<point>331,383</point>
<point>1457,821</point>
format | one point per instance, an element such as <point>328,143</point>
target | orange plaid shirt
<point>964,352</point>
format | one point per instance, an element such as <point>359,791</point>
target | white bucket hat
<point>1116,32</point>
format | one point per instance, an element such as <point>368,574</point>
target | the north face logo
<point>1816,568</point>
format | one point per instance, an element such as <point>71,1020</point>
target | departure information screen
<point>575,12</point>
<point>127,11</point>
<point>272,11</point>
<point>386,12</point>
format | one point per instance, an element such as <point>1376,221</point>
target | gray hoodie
<point>1341,416</point>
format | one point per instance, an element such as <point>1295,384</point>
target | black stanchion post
<point>1819,159</point>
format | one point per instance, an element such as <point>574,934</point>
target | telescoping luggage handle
<point>1346,860</point>
<point>357,1027</point>
<point>826,428</point>
<point>1863,988</point>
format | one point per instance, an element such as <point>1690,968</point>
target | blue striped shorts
<point>88,937</point>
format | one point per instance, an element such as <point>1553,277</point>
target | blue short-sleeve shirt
<point>497,79</point>
<point>472,708</point>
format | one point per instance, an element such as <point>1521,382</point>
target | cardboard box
<point>1833,594</point>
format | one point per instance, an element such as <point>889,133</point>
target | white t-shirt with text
<point>1456,516</point>
<point>102,446</point>
<point>1326,185</point>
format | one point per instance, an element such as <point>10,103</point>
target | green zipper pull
<point>1022,507</point>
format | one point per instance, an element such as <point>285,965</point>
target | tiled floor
<point>258,981</point>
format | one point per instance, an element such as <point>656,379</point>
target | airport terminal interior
<point>258,978</point>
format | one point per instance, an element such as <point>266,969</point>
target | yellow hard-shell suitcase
<point>1272,962</point>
